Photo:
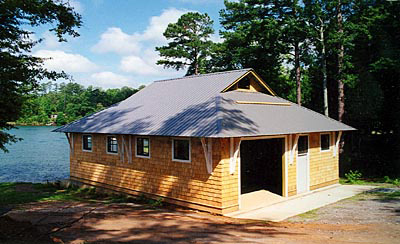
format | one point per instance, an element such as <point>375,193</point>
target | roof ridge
<point>208,74</point>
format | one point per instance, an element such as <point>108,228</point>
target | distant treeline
<point>61,103</point>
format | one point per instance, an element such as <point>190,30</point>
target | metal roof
<point>195,106</point>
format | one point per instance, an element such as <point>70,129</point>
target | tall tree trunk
<point>196,67</point>
<point>340,62</point>
<point>298,73</point>
<point>340,70</point>
<point>325,76</point>
<point>196,62</point>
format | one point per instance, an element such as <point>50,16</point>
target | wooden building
<point>202,141</point>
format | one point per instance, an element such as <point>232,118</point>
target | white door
<point>302,165</point>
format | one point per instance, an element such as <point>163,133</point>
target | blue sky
<point>118,38</point>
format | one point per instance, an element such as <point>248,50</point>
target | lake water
<point>42,155</point>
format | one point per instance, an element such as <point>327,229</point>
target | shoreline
<point>26,124</point>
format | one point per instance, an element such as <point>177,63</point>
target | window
<point>112,144</point>
<point>143,147</point>
<point>244,83</point>
<point>325,142</point>
<point>87,143</point>
<point>181,150</point>
<point>302,147</point>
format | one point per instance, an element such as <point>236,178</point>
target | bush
<point>353,176</point>
<point>395,182</point>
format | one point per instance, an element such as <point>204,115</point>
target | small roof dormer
<point>250,82</point>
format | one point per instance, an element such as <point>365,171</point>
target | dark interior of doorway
<point>261,165</point>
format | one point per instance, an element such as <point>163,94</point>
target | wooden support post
<point>121,156</point>
<point>207,148</point>
<point>234,154</point>
<point>294,148</point>
<point>336,148</point>
<point>69,142</point>
<point>130,149</point>
<point>70,138</point>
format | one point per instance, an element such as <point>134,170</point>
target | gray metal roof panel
<point>176,107</point>
<point>194,106</point>
<point>263,119</point>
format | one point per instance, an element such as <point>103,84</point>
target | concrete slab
<point>300,204</point>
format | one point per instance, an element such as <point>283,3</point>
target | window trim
<point>190,150</point>
<point>142,156</point>
<point>83,149</point>
<point>112,153</point>
<point>320,142</point>
<point>308,146</point>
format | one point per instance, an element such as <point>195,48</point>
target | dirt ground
<point>365,218</point>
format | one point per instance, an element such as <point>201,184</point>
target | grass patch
<point>19,193</point>
<point>312,214</point>
<point>16,193</point>
<point>382,182</point>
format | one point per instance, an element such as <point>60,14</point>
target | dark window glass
<point>302,145</point>
<point>112,144</point>
<point>142,146</point>
<point>87,142</point>
<point>244,83</point>
<point>325,141</point>
<point>181,149</point>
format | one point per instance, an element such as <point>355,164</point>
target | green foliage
<point>19,70</point>
<point>61,120</point>
<point>353,176</point>
<point>68,102</point>
<point>395,181</point>
<point>156,203</point>
<point>189,44</point>
<point>266,36</point>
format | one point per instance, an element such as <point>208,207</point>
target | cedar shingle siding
<point>186,184</point>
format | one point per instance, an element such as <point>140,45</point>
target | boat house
<point>203,141</point>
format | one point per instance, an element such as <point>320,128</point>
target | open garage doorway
<point>261,165</point>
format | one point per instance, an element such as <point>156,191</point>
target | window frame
<point>320,142</point>
<point>86,150</point>
<point>136,147</point>
<point>308,146</point>
<point>190,150</point>
<point>112,153</point>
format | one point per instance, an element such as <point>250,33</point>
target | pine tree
<point>190,43</point>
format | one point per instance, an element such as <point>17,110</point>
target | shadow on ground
<point>99,223</point>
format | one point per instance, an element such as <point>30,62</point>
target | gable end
<point>250,81</point>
